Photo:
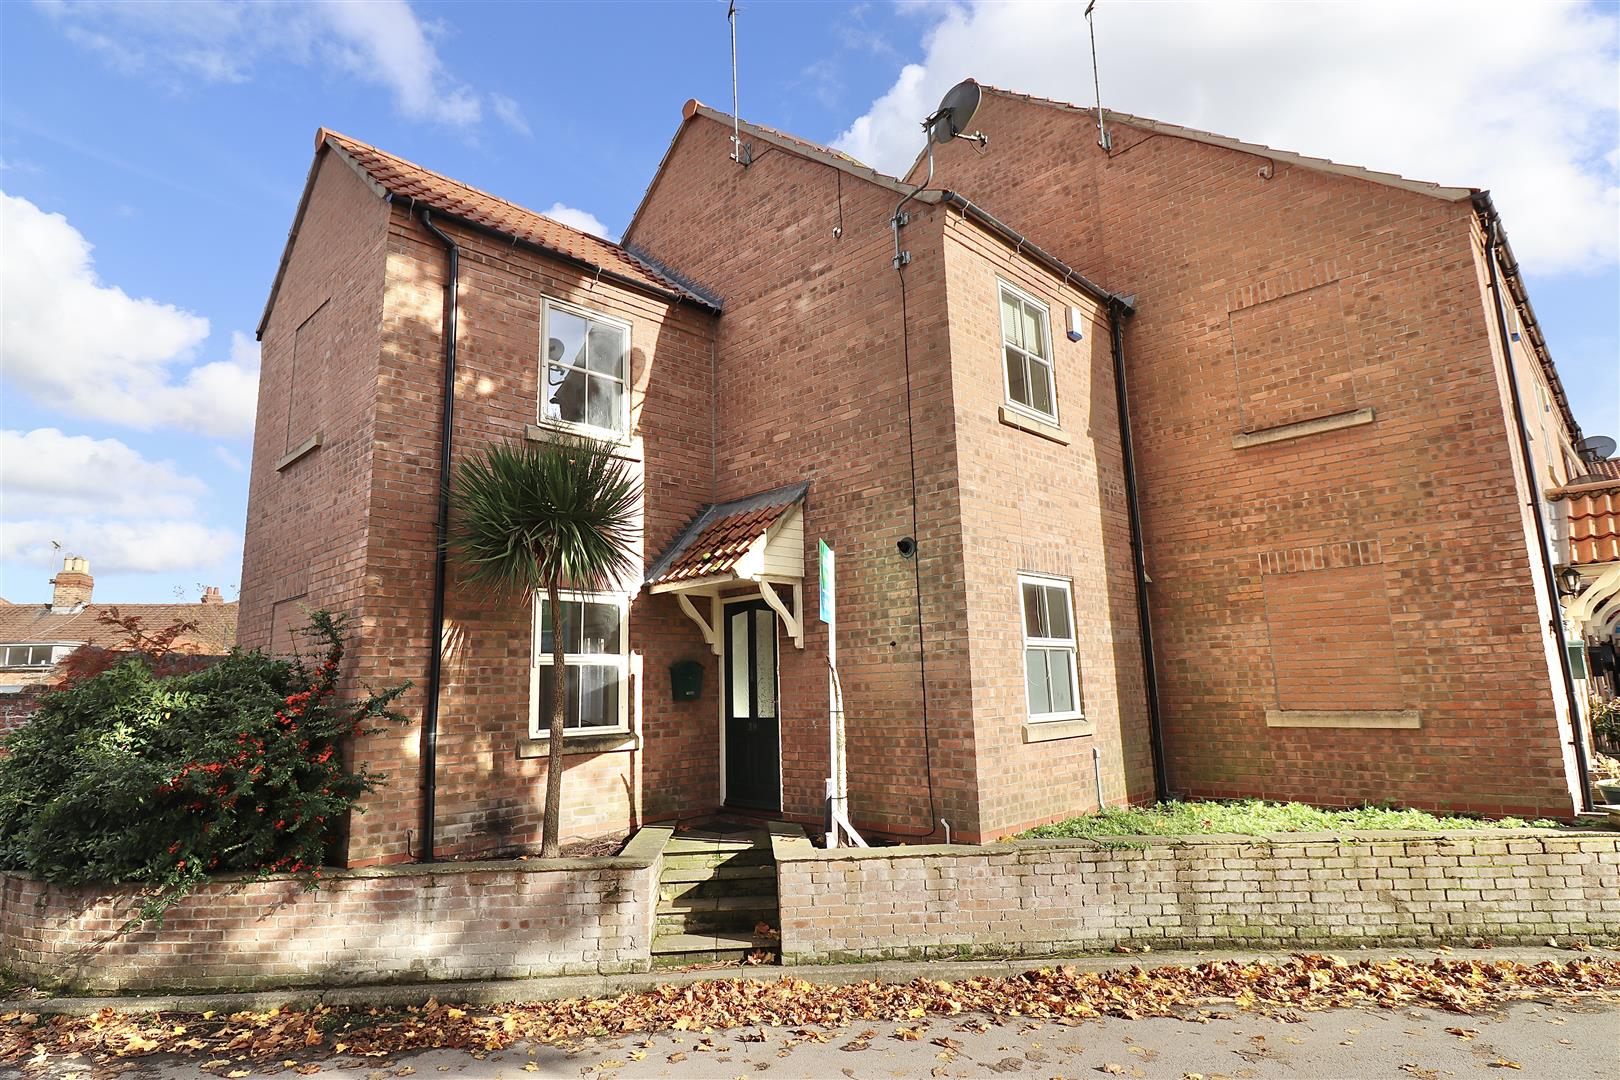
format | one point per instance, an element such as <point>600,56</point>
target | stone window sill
<point>1036,731</point>
<point>609,742</point>
<point>1343,718</point>
<point>1025,422</point>
<point>303,449</point>
<point>630,449</point>
<point>1303,428</point>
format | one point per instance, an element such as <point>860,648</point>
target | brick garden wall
<point>382,924</point>
<point>1046,897</point>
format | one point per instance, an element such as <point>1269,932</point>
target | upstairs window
<point>1026,346</point>
<point>1050,672</point>
<point>585,371</point>
<point>17,656</point>
<point>596,637</point>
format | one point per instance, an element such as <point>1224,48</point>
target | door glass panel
<point>737,658</point>
<point>765,661</point>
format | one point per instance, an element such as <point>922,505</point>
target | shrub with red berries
<point>129,776</point>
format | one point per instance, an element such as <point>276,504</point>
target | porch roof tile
<point>721,535</point>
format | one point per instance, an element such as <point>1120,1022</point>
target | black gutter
<point>692,296</point>
<point>1150,676</point>
<point>1492,238</point>
<point>1024,246</point>
<point>447,409</point>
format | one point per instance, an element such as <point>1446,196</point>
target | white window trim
<point>57,651</point>
<point>540,726</point>
<point>621,437</point>
<point>1050,361</point>
<point>1070,643</point>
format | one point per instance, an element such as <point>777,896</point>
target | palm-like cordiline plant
<point>531,516</point>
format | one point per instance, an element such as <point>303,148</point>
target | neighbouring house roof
<point>1599,476</point>
<point>38,624</point>
<point>391,176</point>
<point>723,534</point>
<point>850,166</point>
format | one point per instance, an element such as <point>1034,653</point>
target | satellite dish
<point>1595,448</point>
<point>955,111</point>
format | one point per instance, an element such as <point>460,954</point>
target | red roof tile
<point>1594,526</point>
<point>721,535</point>
<point>408,180</point>
<point>37,623</point>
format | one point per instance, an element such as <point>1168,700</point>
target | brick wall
<point>1050,897</point>
<point>1268,293</point>
<point>447,921</point>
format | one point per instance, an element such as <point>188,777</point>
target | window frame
<point>620,436</point>
<point>1071,644</point>
<point>1004,287</point>
<point>540,727</point>
<point>50,654</point>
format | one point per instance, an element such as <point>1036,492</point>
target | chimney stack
<point>211,595</point>
<point>71,587</point>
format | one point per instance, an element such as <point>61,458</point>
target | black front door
<point>753,763</point>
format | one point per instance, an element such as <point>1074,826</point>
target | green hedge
<point>132,777</point>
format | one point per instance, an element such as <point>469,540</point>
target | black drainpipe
<point>1150,677</point>
<point>447,409</point>
<point>1582,772</point>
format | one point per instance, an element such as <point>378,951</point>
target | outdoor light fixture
<point>1570,582</point>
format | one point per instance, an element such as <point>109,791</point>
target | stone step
<point>675,950</point>
<point>726,920</point>
<point>682,891</point>
<point>753,901</point>
<point>698,860</point>
<point>729,872</point>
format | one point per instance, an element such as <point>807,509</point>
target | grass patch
<point>1254,817</point>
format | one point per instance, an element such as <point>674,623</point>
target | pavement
<point>1521,1039</point>
<point>501,991</point>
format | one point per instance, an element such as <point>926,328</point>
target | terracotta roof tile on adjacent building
<point>1594,527</point>
<point>38,623</point>
<point>721,535</point>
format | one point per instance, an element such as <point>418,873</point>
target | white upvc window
<point>596,637</point>
<point>1051,674</point>
<point>17,656</point>
<point>1026,349</point>
<point>584,371</point>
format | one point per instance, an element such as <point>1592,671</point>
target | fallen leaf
<point>1504,1063</point>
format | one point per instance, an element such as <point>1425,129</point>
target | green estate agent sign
<point>826,575</point>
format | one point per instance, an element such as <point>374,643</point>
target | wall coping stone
<point>642,850</point>
<point>787,847</point>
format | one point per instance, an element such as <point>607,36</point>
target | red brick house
<point>941,403</point>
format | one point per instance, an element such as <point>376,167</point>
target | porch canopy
<point>731,550</point>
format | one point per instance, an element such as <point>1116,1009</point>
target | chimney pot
<point>211,595</point>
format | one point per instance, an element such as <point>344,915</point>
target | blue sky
<point>173,140</point>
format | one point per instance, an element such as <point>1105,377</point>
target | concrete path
<point>502,991</point>
<point>1521,1040</point>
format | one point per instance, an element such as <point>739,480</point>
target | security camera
<point>906,546</point>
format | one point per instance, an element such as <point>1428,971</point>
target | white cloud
<point>105,500</point>
<point>85,348</point>
<point>46,472</point>
<point>583,220</point>
<point>381,42</point>
<point>511,113</point>
<point>116,547</point>
<point>1519,98</point>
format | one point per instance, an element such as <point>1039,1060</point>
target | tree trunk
<point>551,840</point>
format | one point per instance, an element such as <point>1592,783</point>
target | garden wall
<point>386,924</point>
<point>1048,897</point>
